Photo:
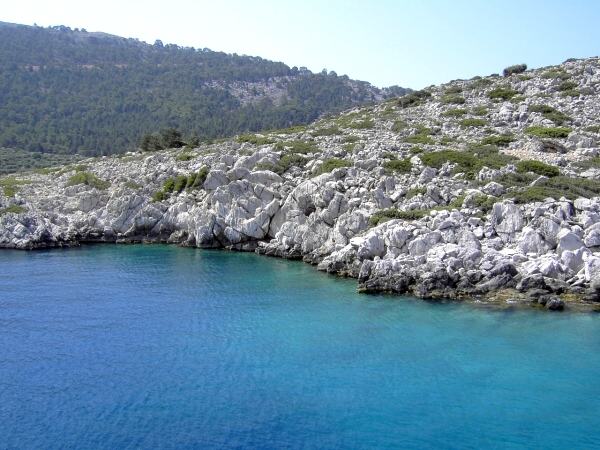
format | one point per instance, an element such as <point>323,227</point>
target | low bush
<point>388,214</point>
<point>548,132</point>
<point>571,93</point>
<point>303,147</point>
<point>89,179</point>
<point>550,113</point>
<point>286,162</point>
<point>255,139</point>
<point>329,131</point>
<point>593,129</point>
<point>537,167</point>
<point>419,139</point>
<point>556,73</point>
<point>456,112</point>
<point>480,83</point>
<point>453,99</point>
<point>184,156</point>
<point>413,99</point>
<point>331,164</point>
<point>291,130</point>
<point>502,93</point>
<point>592,163</point>
<point>566,86</point>
<point>502,140</point>
<point>484,202</point>
<point>132,185</point>
<point>453,90</point>
<point>398,165</point>
<point>512,70</point>
<point>399,125</point>
<point>177,184</point>
<point>14,209</point>
<point>413,192</point>
<point>479,111</point>
<point>473,123</point>
<point>365,124</point>
<point>468,162</point>
<point>10,185</point>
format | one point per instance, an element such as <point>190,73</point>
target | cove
<point>152,346</point>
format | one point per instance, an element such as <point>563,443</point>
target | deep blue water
<point>163,347</point>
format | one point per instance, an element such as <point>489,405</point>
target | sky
<point>406,43</point>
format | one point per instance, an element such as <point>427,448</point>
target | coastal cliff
<point>486,188</point>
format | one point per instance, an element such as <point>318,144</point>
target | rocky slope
<point>484,189</point>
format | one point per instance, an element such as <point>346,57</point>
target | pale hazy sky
<point>408,43</point>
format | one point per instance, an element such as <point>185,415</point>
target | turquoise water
<point>163,347</point>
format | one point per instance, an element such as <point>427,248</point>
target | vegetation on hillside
<point>70,91</point>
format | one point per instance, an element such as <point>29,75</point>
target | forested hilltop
<point>71,91</point>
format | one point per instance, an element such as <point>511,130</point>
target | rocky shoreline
<point>425,198</point>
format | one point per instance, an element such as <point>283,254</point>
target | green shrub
<point>10,185</point>
<point>284,164</point>
<point>566,86</point>
<point>593,129</point>
<point>556,73</point>
<point>365,124</point>
<point>303,147</point>
<point>350,139</point>
<point>456,112</point>
<point>413,192</point>
<point>132,185</point>
<point>398,165</point>
<point>484,202</point>
<point>388,214</point>
<point>591,163</point>
<point>331,164</point>
<point>548,132</point>
<point>453,90</point>
<point>502,140</point>
<point>184,156</point>
<point>571,93</point>
<point>480,83</point>
<point>89,179</point>
<point>537,167</point>
<point>550,113</point>
<point>419,139</point>
<point>479,110</point>
<point>511,70</point>
<point>416,150</point>
<point>348,147</point>
<point>413,99</point>
<point>291,130</point>
<point>468,162</point>
<point>14,209</point>
<point>502,93</point>
<point>399,125</point>
<point>159,196</point>
<point>179,183</point>
<point>329,131</point>
<point>255,139</point>
<point>453,99</point>
<point>473,123</point>
<point>447,140</point>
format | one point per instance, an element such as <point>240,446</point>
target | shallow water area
<point>157,346</point>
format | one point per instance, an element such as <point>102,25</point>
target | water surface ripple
<point>114,347</point>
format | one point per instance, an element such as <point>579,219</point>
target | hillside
<point>70,91</point>
<point>485,189</point>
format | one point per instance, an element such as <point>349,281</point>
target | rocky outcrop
<point>449,234</point>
